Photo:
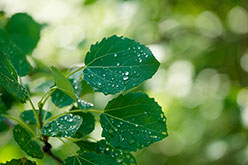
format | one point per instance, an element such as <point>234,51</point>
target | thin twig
<point>75,71</point>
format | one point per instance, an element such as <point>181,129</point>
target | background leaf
<point>3,125</point>
<point>24,140</point>
<point>89,158</point>
<point>16,57</point>
<point>8,79</point>
<point>117,64</point>
<point>64,126</point>
<point>24,31</point>
<point>22,161</point>
<point>29,118</point>
<point>133,121</point>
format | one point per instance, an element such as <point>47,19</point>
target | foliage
<point>115,65</point>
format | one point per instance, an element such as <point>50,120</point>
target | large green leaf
<point>133,121</point>
<point>9,81</point>
<point>29,118</point>
<point>16,57</point>
<point>89,158</point>
<point>24,31</point>
<point>63,83</point>
<point>65,126</point>
<point>22,161</point>
<point>87,125</point>
<point>24,140</point>
<point>117,64</point>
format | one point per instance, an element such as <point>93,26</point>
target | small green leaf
<point>117,64</point>
<point>24,140</point>
<point>8,79</point>
<point>14,54</point>
<point>121,157</point>
<point>133,121</point>
<point>45,86</point>
<point>24,31</point>
<point>65,126</point>
<point>87,125</point>
<point>22,161</point>
<point>89,158</point>
<point>63,83</point>
<point>29,118</point>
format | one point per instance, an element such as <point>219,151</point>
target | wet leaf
<point>14,54</point>
<point>9,81</point>
<point>89,158</point>
<point>22,161</point>
<point>133,121</point>
<point>24,140</point>
<point>65,126</point>
<point>24,31</point>
<point>29,118</point>
<point>118,64</point>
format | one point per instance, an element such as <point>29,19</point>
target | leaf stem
<point>21,123</point>
<point>74,153</point>
<point>35,113</point>
<point>75,71</point>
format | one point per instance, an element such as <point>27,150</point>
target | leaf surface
<point>133,121</point>
<point>24,31</point>
<point>117,64</point>
<point>64,126</point>
<point>24,140</point>
<point>14,54</point>
<point>9,80</point>
<point>63,83</point>
<point>29,118</point>
<point>89,158</point>
<point>87,126</point>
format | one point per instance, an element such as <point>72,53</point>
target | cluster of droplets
<point>84,105</point>
<point>64,126</point>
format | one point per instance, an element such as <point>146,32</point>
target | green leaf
<point>3,107</point>
<point>117,64</point>
<point>24,31</point>
<point>24,140</point>
<point>22,161</point>
<point>86,146</point>
<point>133,121</point>
<point>87,126</point>
<point>3,125</point>
<point>121,157</point>
<point>89,158</point>
<point>45,86</point>
<point>8,79</point>
<point>60,99</point>
<point>101,147</point>
<point>63,83</point>
<point>29,118</point>
<point>14,54</point>
<point>65,126</point>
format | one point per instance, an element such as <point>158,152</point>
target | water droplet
<point>140,60</point>
<point>125,78</point>
<point>118,64</point>
<point>136,125</point>
<point>115,55</point>
<point>126,73</point>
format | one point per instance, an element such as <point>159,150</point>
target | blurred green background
<point>201,84</point>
